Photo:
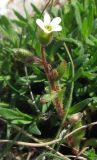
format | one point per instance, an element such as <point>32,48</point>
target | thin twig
<point>31,93</point>
<point>47,4</point>
<point>81,152</point>
<point>51,155</point>
<point>79,157</point>
<point>25,144</point>
<point>33,138</point>
<point>50,142</point>
<point>30,154</point>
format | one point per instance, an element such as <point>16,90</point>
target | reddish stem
<point>59,108</point>
<point>53,86</point>
<point>46,65</point>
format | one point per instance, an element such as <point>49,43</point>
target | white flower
<point>49,26</point>
<point>3,6</point>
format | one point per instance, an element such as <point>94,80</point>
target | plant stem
<point>51,155</point>
<point>53,87</point>
<point>46,65</point>
<point>71,89</point>
<point>79,157</point>
<point>70,95</point>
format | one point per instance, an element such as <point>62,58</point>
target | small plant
<point>48,83</point>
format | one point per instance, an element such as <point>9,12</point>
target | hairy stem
<point>47,69</point>
<point>70,95</point>
<point>46,65</point>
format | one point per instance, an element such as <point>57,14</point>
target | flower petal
<point>55,21</point>
<point>40,23</point>
<point>57,28</point>
<point>46,19</point>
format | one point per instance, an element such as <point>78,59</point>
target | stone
<point>9,5</point>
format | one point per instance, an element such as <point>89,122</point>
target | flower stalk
<point>53,86</point>
<point>45,35</point>
<point>46,65</point>
<point>69,99</point>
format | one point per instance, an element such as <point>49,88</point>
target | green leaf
<point>67,71</point>
<point>90,154</point>
<point>37,11</point>
<point>61,95</point>
<point>22,54</point>
<point>3,104</point>
<point>19,16</point>
<point>84,29</point>
<point>77,137</point>
<point>80,106</point>
<point>34,129</point>
<point>52,49</point>
<point>77,13</point>
<point>62,68</point>
<point>20,121</point>
<point>85,74</point>
<point>91,142</point>
<point>90,17</point>
<point>6,28</point>
<point>5,78</point>
<point>90,42</point>
<point>45,107</point>
<point>14,115</point>
<point>54,11</point>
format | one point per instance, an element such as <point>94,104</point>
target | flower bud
<point>54,74</point>
<point>22,55</point>
<point>44,38</point>
<point>76,117</point>
<point>43,100</point>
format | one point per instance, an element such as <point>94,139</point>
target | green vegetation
<point>48,94</point>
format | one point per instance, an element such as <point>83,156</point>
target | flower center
<point>48,27</point>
